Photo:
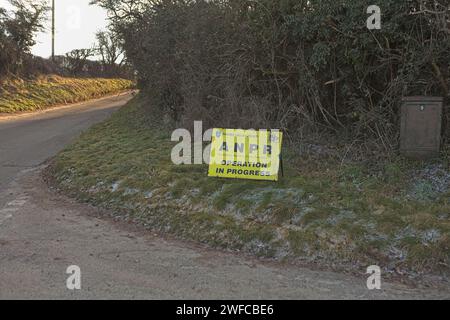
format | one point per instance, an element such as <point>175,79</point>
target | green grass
<point>349,215</point>
<point>17,95</point>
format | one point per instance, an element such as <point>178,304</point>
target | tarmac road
<point>42,233</point>
<point>27,140</point>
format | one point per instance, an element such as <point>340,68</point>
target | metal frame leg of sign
<point>281,165</point>
<point>281,160</point>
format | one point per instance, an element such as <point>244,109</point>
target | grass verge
<point>393,214</point>
<point>17,95</point>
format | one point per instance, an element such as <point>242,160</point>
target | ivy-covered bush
<point>302,65</point>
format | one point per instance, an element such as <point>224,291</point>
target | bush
<point>17,30</point>
<point>300,65</point>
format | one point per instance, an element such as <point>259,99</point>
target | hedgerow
<point>302,65</point>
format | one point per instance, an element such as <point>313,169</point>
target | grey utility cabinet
<point>421,121</point>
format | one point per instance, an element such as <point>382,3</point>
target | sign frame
<point>246,154</point>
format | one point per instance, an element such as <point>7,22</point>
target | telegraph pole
<point>53,30</point>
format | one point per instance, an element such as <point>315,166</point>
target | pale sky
<point>76,25</point>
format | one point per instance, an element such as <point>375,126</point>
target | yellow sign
<point>245,154</point>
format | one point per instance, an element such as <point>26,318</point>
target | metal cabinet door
<point>421,126</point>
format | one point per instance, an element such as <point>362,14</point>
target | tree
<point>110,49</point>
<point>77,60</point>
<point>17,31</point>
<point>125,10</point>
